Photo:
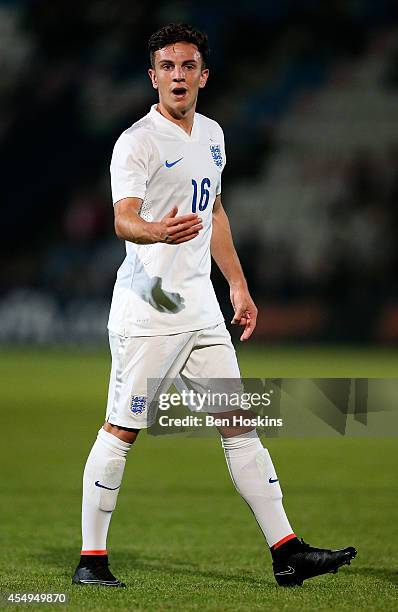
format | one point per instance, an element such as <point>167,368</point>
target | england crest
<point>216,154</point>
<point>138,404</point>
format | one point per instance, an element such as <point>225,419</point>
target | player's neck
<point>185,122</point>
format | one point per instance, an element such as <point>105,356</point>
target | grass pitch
<point>181,537</point>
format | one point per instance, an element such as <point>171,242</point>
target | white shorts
<point>190,360</point>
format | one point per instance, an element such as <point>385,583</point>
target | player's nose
<point>178,74</point>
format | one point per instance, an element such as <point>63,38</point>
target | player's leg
<point>213,364</point>
<point>254,476</point>
<point>102,479</point>
<point>129,410</point>
<point>103,475</point>
<point>251,467</point>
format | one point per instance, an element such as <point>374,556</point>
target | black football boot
<point>297,561</point>
<point>94,570</point>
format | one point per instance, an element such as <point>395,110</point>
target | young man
<point>165,321</point>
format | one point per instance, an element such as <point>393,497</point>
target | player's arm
<point>226,258</point>
<point>171,229</point>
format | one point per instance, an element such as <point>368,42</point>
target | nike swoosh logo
<point>97,484</point>
<point>171,164</point>
<point>272,480</point>
<point>290,570</point>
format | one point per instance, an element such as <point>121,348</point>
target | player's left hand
<point>245,311</point>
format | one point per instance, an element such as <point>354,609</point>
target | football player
<point>165,321</point>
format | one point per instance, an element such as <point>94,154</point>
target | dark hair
<point>178,32</point>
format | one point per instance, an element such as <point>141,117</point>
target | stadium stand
<point>308,105</point>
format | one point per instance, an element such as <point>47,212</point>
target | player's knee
<point>123,433</point>
<point>235,423</point>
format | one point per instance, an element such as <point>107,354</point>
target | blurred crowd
<point>361,245</point>
<point>73,79</point>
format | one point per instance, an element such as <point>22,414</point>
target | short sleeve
<point>218,188</point>
<point>129,168</point>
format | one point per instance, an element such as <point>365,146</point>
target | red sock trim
<point>283,540</point>
<point>93,552</point>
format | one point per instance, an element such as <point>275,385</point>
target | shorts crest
<point>216,154</point>
<point>138,404</point>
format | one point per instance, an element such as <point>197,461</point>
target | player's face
<point>178,76</point>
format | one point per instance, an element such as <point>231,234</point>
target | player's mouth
<point>179,92</point>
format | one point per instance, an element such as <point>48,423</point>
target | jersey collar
<point>173,128</point>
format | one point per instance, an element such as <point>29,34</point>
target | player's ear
<point>152,76</point>
<point>203,78</point>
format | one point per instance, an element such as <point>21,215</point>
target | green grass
<point>181,537</point>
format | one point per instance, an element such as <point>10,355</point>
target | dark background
<point>306,93</point>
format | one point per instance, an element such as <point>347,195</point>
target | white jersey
<point>162,288</point>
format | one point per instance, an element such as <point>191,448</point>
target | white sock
<point>101,482</point>
<point>254,477</point>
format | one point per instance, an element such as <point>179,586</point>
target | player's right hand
<point>175,230</point>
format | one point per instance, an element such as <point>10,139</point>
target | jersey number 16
<point>204,194</point>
